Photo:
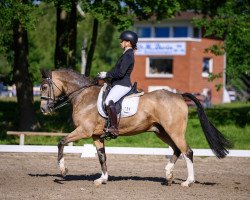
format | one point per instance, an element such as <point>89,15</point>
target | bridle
<point>54,102</point>
<point>51,99</point>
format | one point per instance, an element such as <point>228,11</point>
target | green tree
<point>122,14</point>
<point>228,20</point>
<point>65,51</point>
<point>16,20</point>
<point>42,40</point>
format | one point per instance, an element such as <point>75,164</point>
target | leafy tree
<point>65,52</point>
<point>16,20</point>
<point>42,40</point>
<point>4,68</point>
<point>228,20</point>
<point>122,14</point>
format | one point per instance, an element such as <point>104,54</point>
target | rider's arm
<point>121,67</point>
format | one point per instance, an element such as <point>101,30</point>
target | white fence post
<point>70,144</point>
<point>22,137</point>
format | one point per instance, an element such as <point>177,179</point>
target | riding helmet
<point>129,36</point>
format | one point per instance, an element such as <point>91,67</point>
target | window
<point>196,32</point>
<point>144,32</point>
<point>207,66</point>
<point>168,30</point>
<point>159,67</point>
<point>162,32</point>
<point>180,31</point>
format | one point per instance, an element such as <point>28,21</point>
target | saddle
<point>118,104</point>
<point>125,107</point>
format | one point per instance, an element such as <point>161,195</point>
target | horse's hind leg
<point>170,166</point>
<point>188,155</point>
<point>179,145</point>
<point>102,158</point>
<point>178,138</point>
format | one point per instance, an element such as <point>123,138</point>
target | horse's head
<point>51,89</point>
<point>58,86</point>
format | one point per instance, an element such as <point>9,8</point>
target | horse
<point>161,112</point>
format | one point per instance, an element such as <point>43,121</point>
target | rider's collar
<point>127,49</point>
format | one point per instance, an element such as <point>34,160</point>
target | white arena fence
<point>88,150</point>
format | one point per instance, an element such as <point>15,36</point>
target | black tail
<point>217,142</point>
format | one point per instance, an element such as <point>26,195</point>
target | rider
<point>120,77</point>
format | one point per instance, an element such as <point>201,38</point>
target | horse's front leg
<point>102,158</point>
<point>73,136</point>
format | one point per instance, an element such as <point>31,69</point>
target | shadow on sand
<point>60,180</point>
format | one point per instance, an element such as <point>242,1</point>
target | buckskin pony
<point>162,112</point>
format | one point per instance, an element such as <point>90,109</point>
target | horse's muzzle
<point>44,111</point>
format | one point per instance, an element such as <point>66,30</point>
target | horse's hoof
<point>100,181</point>
<point>169,182</point>
<point>187,183</point>
<point>166,183</point>
<point>64,172</point>
<point>170,178</point>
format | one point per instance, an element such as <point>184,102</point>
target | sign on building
<point>161,48</point>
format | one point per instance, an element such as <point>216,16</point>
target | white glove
<point>102,75</point>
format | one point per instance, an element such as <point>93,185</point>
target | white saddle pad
<point>129,103</point>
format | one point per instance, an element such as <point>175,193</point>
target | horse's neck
<point>86,96</point>
<point>77,88</point>
<point>72,86</point>
<point>69,89</point>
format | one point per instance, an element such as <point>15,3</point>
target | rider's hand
<point>102,75</point>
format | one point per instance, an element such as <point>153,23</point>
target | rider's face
<point>125,44</point>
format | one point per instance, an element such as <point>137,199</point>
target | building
<point>171,55</point>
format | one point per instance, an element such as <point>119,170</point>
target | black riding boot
<point>113,129</point>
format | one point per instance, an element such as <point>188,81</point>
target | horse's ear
<point>45,73</point>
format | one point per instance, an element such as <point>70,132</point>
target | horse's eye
<point>44,87</point>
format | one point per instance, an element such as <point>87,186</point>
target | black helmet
<point>129,36</point>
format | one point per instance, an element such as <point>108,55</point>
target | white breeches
<point>116,93</point>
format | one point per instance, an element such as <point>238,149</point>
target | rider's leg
<point>114,95</point>
<point>111,110</point>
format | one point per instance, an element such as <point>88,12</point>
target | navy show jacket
<point>121,73</point>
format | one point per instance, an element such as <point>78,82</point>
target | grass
<point>233,120</point>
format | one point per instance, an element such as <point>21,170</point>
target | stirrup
<point>108,136</point>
